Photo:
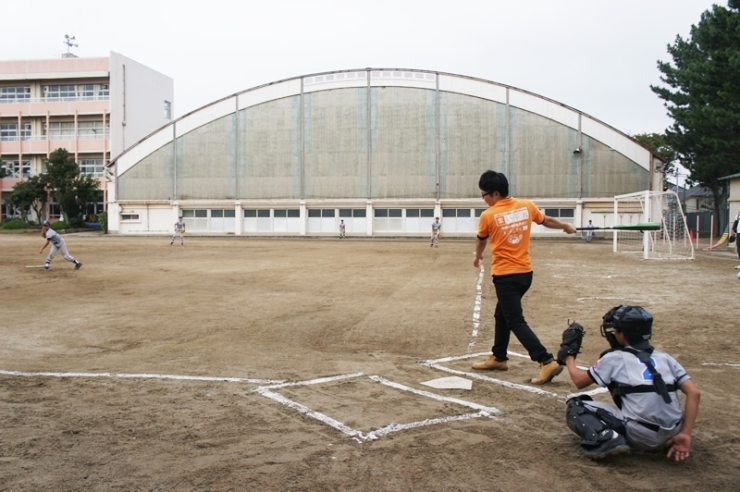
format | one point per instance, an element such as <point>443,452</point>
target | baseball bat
<point>641,226</point>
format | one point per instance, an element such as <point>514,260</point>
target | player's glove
<point>572,340</point>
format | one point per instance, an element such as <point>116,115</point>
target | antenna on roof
<point>68,41</point>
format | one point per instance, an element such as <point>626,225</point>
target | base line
<point>135,376</point>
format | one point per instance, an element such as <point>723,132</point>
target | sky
<point>597,56</point>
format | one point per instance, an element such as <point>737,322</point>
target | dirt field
<point>104,416</point>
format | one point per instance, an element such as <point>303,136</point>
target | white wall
<point>137,108</point>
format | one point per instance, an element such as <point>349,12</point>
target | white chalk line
<point>135,376</point>
<point>328,379</point>
<point>436,364</point>
<point>476,308</point>
<point>359,436</point>
<point>728,364</point>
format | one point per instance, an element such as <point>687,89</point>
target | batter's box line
<point>359,436</point>
<point>436,364</point>
<point>136,376</point>
<point>721,364</point>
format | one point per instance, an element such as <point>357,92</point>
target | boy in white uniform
<point>179,231</point>
<point>436,226</point>
<point>57,244</point>
<point>643,383</point>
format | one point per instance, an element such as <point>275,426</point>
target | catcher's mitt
<point>572,340</point>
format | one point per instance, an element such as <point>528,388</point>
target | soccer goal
<point>671,241</point>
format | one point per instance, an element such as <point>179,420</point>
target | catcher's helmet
<point>633,321</point>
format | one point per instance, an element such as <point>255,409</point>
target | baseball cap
<point>46,223</point>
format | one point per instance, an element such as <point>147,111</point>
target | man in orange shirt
<point>507,225</point>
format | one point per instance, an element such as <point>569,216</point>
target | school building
<point>92,107</point>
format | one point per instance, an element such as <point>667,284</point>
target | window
<point>352,212</point>
<point>557,213</point>
<point>327,212</point>
<point>14,94</point>
<point>61,129</point>
<point>167,110</point>
<point>457,212</point>
<point>60,92</point>
<point>8,131</point>
<point>314,213</point>
<point>129,217</point>
<point>280,213</point>
<point>249,214</point>
<point>419,212</point>
<point>82,92</point>
<point>92,167</point>
<point>389,212</point>
<point>87,92</point>
<point>263,213</point>
<point>91,129</point>
<point>17,170</point>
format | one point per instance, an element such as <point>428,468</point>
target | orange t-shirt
<point>508,226</point>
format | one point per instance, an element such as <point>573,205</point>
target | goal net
<point>671,241</point>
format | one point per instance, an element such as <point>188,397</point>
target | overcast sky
<point>597,56</point>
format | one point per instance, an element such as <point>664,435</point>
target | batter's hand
<point>680,445</point>
<point>569,229</point>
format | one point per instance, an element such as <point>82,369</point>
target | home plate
<point>452,382</point>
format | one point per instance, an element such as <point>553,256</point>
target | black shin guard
<point>592,426</point>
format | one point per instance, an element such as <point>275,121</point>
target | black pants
<point>510,318</point>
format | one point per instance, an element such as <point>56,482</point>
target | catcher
<point>643,383</point>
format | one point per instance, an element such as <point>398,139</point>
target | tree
<point>3,174</point>
<point>30,194</point>
<point>657,143</point>
<point>72,191</point>
<point>703,98</point>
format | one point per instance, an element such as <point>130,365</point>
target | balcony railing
<point>26,138</point>
<point>16,100</point>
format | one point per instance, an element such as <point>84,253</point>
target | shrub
<point>103,217</point>
<point>14,224</point>
<point>59,225</point>
<point>76,222</point>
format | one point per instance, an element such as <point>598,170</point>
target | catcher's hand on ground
<point>572,340</point>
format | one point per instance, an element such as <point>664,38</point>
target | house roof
<point>731,176</point>
<point>698,192</point>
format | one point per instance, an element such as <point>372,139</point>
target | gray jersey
<point>53,237</point>
<point>436,226</point>
<point>625,368</point>
<point>179,226</point>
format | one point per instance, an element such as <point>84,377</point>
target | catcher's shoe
<point>547,372</point>
<point>492,364</point>
<point>611,447</point>
<point>78,265</point>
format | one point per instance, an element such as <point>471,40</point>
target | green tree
<point>703,98</point>
<point>4,173</point>
<point>72,191</point>
<point>29,195</point>
<point>658,144</point>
